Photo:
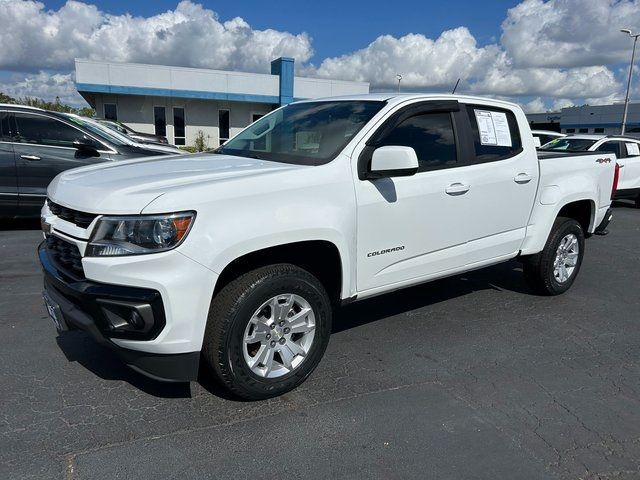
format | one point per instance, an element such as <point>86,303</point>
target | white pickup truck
<point>238,258</point>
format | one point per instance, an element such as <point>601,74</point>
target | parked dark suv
<point>36,145</point>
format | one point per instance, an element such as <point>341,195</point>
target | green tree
<point>55,106</point>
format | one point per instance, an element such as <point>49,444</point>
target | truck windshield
<point>309,133</point>
<point>569,144</point>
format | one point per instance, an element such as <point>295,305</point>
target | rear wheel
<point>555,268</point>
<point>267,331</point>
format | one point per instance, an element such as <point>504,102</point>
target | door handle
<point>29,157</point>
<point>522,178</point>
<point>457,189</point>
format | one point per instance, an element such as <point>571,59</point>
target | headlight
<point>139,234</point>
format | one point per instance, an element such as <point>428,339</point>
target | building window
<point>160,121</point>
<point>570,130</point>
<point>178,125</point>
<point>598,130</point>
<point>256,116</point>
<point>583,130</point>
<point>223,125</point>
<point>110,111</point>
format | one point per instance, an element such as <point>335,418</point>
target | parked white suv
<point>626,149</point>
<point>240,257</point>
<point>541,137</point>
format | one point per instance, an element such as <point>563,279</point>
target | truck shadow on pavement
<point>506,276</point>
<point>79,347</point>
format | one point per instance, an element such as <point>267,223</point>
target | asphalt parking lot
<point>471,377</point>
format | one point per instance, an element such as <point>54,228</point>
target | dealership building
<point>597,119</point>
<point>177,102</point>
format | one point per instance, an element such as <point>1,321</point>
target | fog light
<point>136,320</point>
<point>124,316</point>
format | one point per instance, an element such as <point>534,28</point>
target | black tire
<point>538,269</point>
<point>230,312</point>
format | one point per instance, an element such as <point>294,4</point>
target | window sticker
<point>493,128</point>
<point>633,149</point>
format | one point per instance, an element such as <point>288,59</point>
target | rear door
<point>44,148</point>
<point>503,181</point>
<point>8,179</point>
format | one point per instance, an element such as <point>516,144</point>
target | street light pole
<point>633,56</point>
<point>399,77</point>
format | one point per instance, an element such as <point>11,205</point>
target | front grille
<point>65,256</point>
<point>81,219</point>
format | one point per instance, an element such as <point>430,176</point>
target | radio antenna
<point>456,87</point>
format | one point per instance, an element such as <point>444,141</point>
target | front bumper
<point>86,305</point>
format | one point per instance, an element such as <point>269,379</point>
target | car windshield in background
<point>569,144</point>
<point>101,131</point>
<point>309,133</point>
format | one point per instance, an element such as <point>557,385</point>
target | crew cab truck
<point>239,257</point>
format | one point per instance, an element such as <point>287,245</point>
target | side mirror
<point>86,149</point>
<point>393,161</point>
<point>537,142</point>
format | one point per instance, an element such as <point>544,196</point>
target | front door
<point>413,227</point>
<point>44,148</point>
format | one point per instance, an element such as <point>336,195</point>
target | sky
<point>544,54</point>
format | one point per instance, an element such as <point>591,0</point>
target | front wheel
<point>267,331</point>
<point>555,268</point>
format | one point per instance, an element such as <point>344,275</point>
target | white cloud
<point>550,82</point>
<point>190,35</point>
<point>569,33</point>
<point>421,61</point>
<point>43,85</point>
<point>561,103</point>
<point>535,106</point>
<point>554,49</point>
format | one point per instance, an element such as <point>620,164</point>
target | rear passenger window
<point>42,130</point>
<point>497,137</point>
<point>430,135</point>
<point>610,147</point>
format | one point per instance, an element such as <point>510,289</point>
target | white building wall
<point>137,112</point>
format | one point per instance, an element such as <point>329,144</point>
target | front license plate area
<point>54,312</point>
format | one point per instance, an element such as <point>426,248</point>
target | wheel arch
<point>322,258</point>
<point>583,211</point>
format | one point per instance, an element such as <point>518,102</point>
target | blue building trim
<point>162,92</point>
<point>283,67</point>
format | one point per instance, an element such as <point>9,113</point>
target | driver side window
<point>430,135</point>
<point>43,130</point>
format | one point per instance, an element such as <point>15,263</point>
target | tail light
<point>616,177</point>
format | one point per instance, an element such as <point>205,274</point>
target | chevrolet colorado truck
<point>235,260</point>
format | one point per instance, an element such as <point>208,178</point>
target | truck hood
<point>126,187</point>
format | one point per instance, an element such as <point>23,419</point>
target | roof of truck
<point>394,98</point>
